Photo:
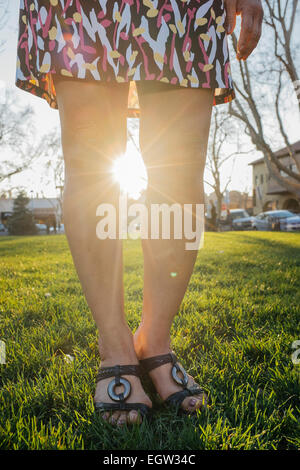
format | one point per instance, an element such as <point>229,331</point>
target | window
<point>261,179</point>
<point>294,168</point>
<point>256,180</point>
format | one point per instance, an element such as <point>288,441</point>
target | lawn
<point>234,333</point>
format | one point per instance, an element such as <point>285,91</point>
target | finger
<point>245,35</point>
<point>230,19</point>
<point>253,42</point>
<point>250,30</point>
<point>256,34</point>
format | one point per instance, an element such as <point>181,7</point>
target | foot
<point>137,395</point>
<point>162,378</point>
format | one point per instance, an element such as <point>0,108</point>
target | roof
<point>6,205</point>
<point>280,153</point>
<point>278,190</point>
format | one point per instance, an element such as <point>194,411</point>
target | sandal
<point>117,371</point>
<point>175,399</point>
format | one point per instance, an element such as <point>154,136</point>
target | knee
<point>90,148</point>
<point>178,175</point>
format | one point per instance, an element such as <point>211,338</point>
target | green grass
<point>234,333</point>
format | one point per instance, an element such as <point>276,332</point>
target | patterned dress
<point>177,42</point>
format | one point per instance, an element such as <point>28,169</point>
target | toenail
<point>134,416</point>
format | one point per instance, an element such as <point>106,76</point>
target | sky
<point>33,179</point>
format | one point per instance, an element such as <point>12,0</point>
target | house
<point>268,194</point>
<point>45,210</point>
<point>233,200</point>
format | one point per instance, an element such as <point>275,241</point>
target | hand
<point>252,16</point>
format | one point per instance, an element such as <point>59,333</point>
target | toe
<point>189,403</point>
<point>134,417</point>
<point>201,401</point>
<point>122,419</point>
<point>194,403</point>
<point>114,417</point>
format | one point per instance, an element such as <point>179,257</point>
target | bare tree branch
<point>247,108</point>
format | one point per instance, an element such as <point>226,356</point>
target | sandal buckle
<point>178,368</point>
<point>119,396</point>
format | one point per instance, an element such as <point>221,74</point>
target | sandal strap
<point>156,361</point>
<point>144,409</point>
<point>117,371</point>
<point>175,399</point>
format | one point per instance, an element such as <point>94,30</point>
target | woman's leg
<point>94,133</point>
<point>174,128</point>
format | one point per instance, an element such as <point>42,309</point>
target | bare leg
<point>174,130</point>
<point>94,132</point>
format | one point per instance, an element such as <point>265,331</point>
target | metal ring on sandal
<point>119,398</point>
<point>175,399</point>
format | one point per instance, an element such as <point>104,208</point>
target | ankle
<point>117,347</point>
<point>148,343</point>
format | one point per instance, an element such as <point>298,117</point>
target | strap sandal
<point>120,398</point>
<point>175,399</point>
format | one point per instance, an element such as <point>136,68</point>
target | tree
<point>253,108</point>
<point>18,140</point>
<point>282,21</point>
<point>223,130</point>
<point>217,157</point>
<point>21,221</point>
<point>4,9</point>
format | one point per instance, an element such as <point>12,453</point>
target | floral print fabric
<point>179,42</point>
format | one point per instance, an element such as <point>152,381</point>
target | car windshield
<point>282,214</point>
<point>239,214</point>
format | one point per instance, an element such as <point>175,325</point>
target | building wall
<point>262,183</point>
<point>237,200</point>
<point>42,209</point>
<point>260,187</point>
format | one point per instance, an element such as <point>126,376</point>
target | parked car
<point>275,220</point>
<point>3,230</point>
<point>41,228</point>
<point>60,229</point>
<point>290,224</point>
<point>241,220</point>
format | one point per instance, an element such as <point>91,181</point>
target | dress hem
<point>36,90</point>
